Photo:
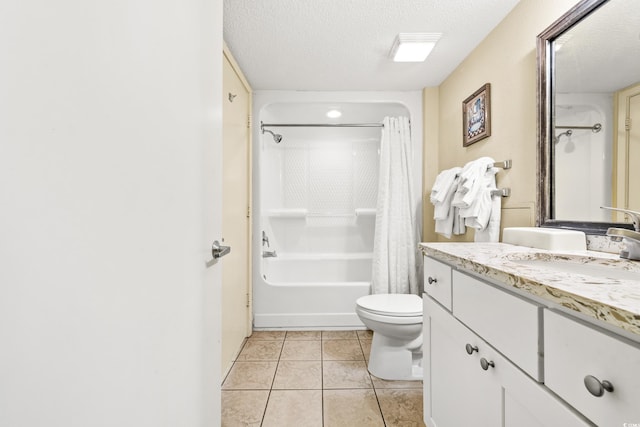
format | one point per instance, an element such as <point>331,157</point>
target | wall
<point>506,58</point>
<point>106,110</point>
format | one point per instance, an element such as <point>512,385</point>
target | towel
<point>445,213</point>
<point>444,183</point>
<point>491,233</point>
<point>472,178</point>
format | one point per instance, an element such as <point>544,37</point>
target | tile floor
<point>314,378</point>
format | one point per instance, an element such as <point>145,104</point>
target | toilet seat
<point>392,305</point>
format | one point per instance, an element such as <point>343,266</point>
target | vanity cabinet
<point>483,358</point>
<point>593,371</point>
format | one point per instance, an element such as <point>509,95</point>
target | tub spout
<point>269,254</point>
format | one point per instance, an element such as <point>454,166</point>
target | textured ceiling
<point>344,44</point>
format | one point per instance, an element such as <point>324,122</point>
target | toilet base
<point>393,359</point>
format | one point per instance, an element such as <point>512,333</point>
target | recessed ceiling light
<point>334,114</point>
<point>413,47</point>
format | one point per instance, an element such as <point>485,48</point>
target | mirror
<point>588,93</point>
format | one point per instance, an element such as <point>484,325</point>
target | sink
<point>553,239</point>
<point>610,269</point>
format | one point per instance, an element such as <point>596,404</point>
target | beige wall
<point>506,58</point>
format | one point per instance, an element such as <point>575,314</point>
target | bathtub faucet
<point>265,239</point>
<point>269,254</point>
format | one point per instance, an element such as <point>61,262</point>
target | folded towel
<point>444,183</point>
<point>471,180</point>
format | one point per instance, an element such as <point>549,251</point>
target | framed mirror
<point>588,95</point>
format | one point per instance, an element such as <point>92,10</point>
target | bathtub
<point>314,199</point>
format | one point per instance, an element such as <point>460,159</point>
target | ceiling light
<point>413,47</point>
<point>333,114</point>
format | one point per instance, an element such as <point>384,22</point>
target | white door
<point>236,324</point>
<point>110,136</point>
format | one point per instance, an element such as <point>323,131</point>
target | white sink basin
<point>553,239</point>
<point>583,265</point>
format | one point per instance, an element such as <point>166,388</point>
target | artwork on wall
<point>476,117</point>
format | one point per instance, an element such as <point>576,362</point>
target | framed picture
<point>476,116</point>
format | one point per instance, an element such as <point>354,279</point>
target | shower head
<point>276,136</point>
<point>568,133</point>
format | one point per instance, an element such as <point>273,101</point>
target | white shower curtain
<point>395,242</point>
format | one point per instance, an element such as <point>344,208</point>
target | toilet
<point>396,322</point>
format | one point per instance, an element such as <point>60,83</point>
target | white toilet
<point>396,322</point>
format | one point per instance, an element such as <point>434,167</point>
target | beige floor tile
<point>365,335</point>
<point>303,335</point>
<point>387,384</point>
<point>295,408</point>
<point>366,348</point>
<point>250,376</point>
<point>349,408</point>
<point>268,335</point>
<point>345,374</point>
<point>298,374</point>
<point>401,407</point>
<point>341,350</point>
<point>243,408</point>
<point>260,350</point>
<point>301,350</point>
<point>339,335</point>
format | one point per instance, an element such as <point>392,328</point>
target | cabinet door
<point>461,393</point>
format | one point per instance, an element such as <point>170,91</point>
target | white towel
<point>444,183</point>
<point>472,178</point>
<point>445,213</point>
<point>491,233</point>
<point>477,214</point>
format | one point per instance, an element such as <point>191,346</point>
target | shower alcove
<point>315,192</point>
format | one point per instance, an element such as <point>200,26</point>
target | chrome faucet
<point>269,254</point>
<point>630,238</point>
<point>265,239</point>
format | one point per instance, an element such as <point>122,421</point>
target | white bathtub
<point>317,269</point>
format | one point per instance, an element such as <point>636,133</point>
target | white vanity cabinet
<point>595,372</point>
<point>473,349</point>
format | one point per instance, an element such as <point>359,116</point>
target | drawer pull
<point>596,387</point>
<point>486,364</point>
<point>432,280</point>
<point>470,348</point>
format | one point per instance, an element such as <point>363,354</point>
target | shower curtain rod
<point>595,128</point>
<point>329,125</point>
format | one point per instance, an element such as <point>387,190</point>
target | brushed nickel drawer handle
<point>470,348</point>
<point>596,387</point>
<point>485,364</point>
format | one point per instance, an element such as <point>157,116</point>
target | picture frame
<point>476,116</point>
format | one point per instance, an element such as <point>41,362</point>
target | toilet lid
<point>392,304</point>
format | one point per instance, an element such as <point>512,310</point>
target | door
<point>236,310</point>
<point>109,305</point>
<point>627,152</point>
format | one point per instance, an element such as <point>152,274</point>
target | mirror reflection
<point>595,147</point>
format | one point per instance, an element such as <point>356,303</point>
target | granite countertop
<point>614,301</point>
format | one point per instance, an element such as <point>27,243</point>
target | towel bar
<point>504,192</point>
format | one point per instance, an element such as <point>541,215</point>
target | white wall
<point>104,111</point>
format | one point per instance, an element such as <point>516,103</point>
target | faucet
<point>269,254</point>
<point>630,238</point>
<point>265,239</point>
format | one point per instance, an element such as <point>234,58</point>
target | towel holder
<point>503,192</point>
<point>506,164</point>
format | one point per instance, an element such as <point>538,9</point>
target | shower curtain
<point>395,242</point>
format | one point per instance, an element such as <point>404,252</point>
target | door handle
<point>219,251</point>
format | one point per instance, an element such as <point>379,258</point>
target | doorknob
<point>219,251</point>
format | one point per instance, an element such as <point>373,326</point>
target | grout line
<point>273,380</point>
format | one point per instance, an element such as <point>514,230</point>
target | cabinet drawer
<point>573,351</point>
<point>509,323</point>
<point>437,281</point>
